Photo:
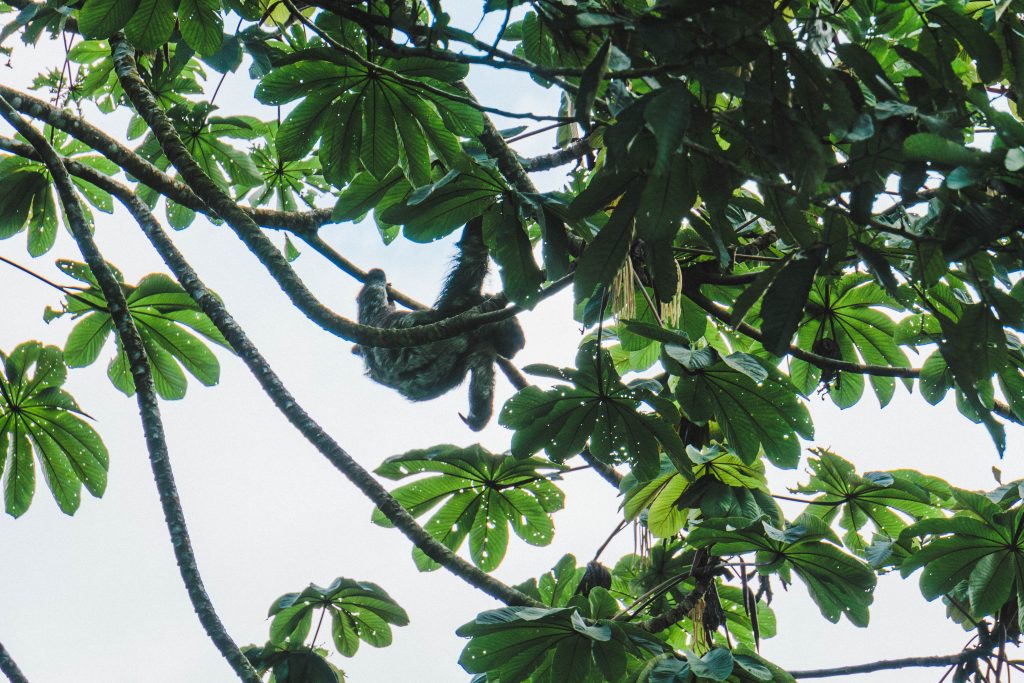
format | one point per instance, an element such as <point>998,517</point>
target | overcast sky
<point>96,598</point>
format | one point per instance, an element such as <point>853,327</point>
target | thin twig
<point>887,664</point>
<point>998,407</point>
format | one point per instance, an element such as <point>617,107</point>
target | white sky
<point>96,598</point>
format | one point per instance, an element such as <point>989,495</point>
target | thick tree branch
<point>296,414</point>
<point>681,609</point>
<point>888,664</point>
<point>263,248</point>
<point>107,184</point>
<point>10,668</point>
<point>545,162</point>
<point>497,148</point>
<point>149,409</point>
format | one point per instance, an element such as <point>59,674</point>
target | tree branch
<point>263,249</point>
<point>296,414</point>
<point>149,409</point>
<point>107,184</point>
<point>10,668</point>
<point>887,664</point>
<point>545,162</point>
<point>680,611</point>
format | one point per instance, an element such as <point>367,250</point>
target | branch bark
<point>261,247</point>
<point>10,667</point>
<point>888,664</point>
<point>680,610</point>
<point>296,414</point>
<point>149,409</point>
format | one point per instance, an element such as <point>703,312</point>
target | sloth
<point>424,372</point>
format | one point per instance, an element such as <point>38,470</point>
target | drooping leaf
<point>359,610</point>
<point>38,417</point>
<point>480,495</point>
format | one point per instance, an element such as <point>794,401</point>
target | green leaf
<point>782,308</point>
<point>983,547</point>
<point>16,202</point>
<point>838,583</point>
<point>163,312</point>
<point>360,611</point>
<point>514,643</point>
<point>975,39</point>
<point>932,147</point>
<point>668,116</point>
<point>37,416</point>
<point>521,277</point>
<point>152,24</point>
<point>100,18</point>
<point>446,208</point>
<point>605,255</point>
<point>480,494</point>
<point>202,25</point>
<point>366,193</point>
<point>889,501</point>
<point>716,665</point>
<point>598,408</point>
<point>753,415</point>
<point>867,69</point>
<point>379,152</point>
<point>590,82</point>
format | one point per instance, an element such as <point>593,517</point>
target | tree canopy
<point>757,203</point>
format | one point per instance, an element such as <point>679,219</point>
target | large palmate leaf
<point>723,487</point>
<point>285,182</point>
<point>842,320</point>
<point>149,23</point>
<point>481,494</point>
<point>756,410</point>
<point>165,316</point>
<point>838,583</point>
<point>374,119</point>
<point>514,643</point>
<point>981,548</point>
<point>37,417</point>
<point>360,611</point>
<point>28,199</point>
<point>597,409</point>
<point>886,499</point>
<point>432,211</point>
<point>719,664</point>
<point>208,139</point>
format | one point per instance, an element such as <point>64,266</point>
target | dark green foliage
<point>768,201</point>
